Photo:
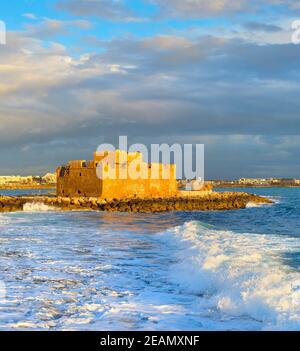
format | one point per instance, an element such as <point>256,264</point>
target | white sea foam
<point>238,276</point>
<point>192,277</point>
<point>2,291</point>
<point>37,207</point>
<point>276,199</point>
<point>253,204</point>
<point>3,219</point>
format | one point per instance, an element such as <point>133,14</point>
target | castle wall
<point>78,182</point>
<point>142,180</point>
<point>125,188</point>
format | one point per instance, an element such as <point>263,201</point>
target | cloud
<point>262,27</point>
<point>155,89</point>
<point>109,9</point>
<point>30,16</point>
<point>200,8</point>
<point>51,27</point>
<point>204,8</point>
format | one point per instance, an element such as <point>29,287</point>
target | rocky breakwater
<point>11,204</point>
<point>206,202</point>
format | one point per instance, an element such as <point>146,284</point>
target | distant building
<point>274,181</point>
<point>49,178</point>
<point>4,180</point>
<point>258,182</point>
<point>288,182</point>
<point>253,181</point>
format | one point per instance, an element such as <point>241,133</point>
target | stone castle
<point>126,176</point>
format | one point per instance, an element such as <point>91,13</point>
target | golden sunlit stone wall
<point>80,179</point>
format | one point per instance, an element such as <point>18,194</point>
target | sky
<point>78,73</point>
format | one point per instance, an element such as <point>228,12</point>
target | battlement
<point>117,157</point>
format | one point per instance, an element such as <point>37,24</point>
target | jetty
<point>207,202</point>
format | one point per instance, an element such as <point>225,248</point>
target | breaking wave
<point>2,290</point>
<point>37,207</point>
<point>238,277</point>
<point>253,204</point>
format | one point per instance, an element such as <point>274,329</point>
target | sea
<point>202,271</point>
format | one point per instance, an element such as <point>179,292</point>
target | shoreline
<point>213,201</point>
<point>257,186</point>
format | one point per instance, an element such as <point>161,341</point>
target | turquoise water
<point>234,270</point>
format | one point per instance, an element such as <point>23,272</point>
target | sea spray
<point>238,275</point>
<point>2,291</point>
<point>37,207</point>
<point>253,204</point>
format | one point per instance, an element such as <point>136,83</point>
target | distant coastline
<point>225,185</point>
<point>12,182</point>
<point>251,183</point>
<point>27,186</point>
<point>236,185</point>
<point>49,182</point>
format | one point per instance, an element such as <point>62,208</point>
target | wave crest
<point>37,207</point>
<point>238,276</point>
